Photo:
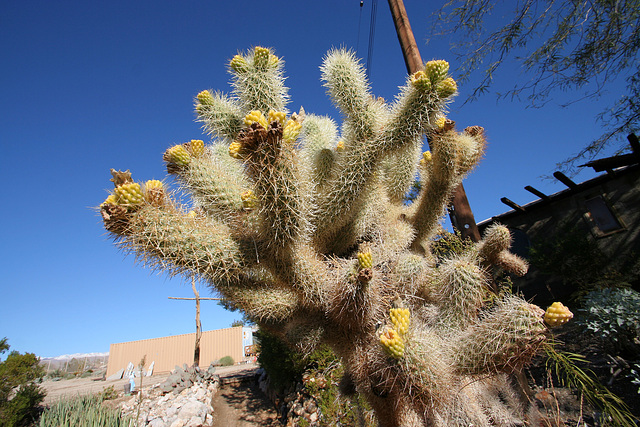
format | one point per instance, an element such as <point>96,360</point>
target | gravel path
<point>241,403</point>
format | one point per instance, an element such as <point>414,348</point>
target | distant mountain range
<point>76,356</point>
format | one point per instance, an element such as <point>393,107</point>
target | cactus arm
<point>258,82</point>
<point>167,240</point>
<point>503,340</point>
<point>263,303</point>
<point>221,116</point>
<point>319,137</point>
<point>436,190</point>
<point>215,182</point>
<point>347,85</point>
<point>272,165</point>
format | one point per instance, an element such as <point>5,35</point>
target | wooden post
<point>461,215</point>
<point>196,351</point>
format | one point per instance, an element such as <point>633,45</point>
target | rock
<point>194,422</point>
<point>116,376</point>
<point>166,387</point>
<point>311,407</point>
<point>177,423</point>
<point>298,409</point>
<point>157,422</point>
<point>193,408</point>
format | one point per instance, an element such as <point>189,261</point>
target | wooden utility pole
<point>196,351</point>
<point>460,212</point>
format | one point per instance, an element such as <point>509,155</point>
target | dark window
<point>601,216</point>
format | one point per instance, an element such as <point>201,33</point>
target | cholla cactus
<point>304,228</point>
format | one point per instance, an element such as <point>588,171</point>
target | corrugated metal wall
<point>167,352</point>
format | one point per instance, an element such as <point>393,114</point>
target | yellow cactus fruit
<point>276,116</point>
<point>557,314</point>
<point>154,192</point>
<point>436,70</point>
<point>110,200</point>
<point>197,147</point>
<point>365,260</point>
<point>440,122</point>
<point>256,116</point>
<point>426,158</point>
<point>238,64</point>
<point>392,342</point>
<point>261,57</point>
<point>447,87</point>
<point>128,194</point>
<point>249,200</point>
<point>153,183</point>
<point>205,97</point>
<point>273,60</point>
<point>179,155</point>
<point>291,131</point>
<point>340,146</point>
<point>236,150</point>
<point>400,317</point>
<point>420,80</point>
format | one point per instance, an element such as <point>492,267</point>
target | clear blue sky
<point>88,86</point>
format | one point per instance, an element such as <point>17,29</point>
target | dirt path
<point>241,403</point>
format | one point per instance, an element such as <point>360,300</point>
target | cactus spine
<point>303,227</point>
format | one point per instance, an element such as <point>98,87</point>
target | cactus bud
<point>110,200</point>
<point>392,343</point>
<point>153,183</point>
<point>557,314</point>
<point>129,194</point>
<point>400,317</point>
<point>291,131</point>
<point>238,64</point>
<point>273,60</point>
<point>365,260</point>
<point>447,87</point>
<point>340,146</point>
<point>205,97</point>
<point>256,116</point>
<point>236,150</point>
<point>436,70</point>
<point>426,158</point>
<point>249,200</point>
<point>420,80</point>
<point>261,57</point>
<point>276,116</point>
<point>196,146</point>
<point>179,155</point>
<point>440,122</point>
<point>154,192</point>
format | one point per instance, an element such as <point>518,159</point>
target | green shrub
<point>635,375</point>
<point>285,367</point>
<point>82,411</point>
<point>20,395</point>
<point>613,315</point>
<point>227,361</point>
<point>109,393</point>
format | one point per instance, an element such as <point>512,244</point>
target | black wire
<point>372,33</point>
<point>359,25</point>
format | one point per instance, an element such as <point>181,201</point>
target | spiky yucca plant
<point>303,227</point>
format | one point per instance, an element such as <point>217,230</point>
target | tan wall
<point>176,350</point>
